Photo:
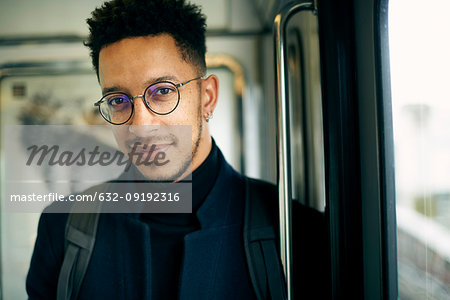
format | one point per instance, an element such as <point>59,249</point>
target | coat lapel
<point>214,265</point>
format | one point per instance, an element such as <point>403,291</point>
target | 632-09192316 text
<point>145,197</point>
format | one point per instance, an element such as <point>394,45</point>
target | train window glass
<point>420,75</point>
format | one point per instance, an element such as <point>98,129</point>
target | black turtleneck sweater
<point>167,231</point>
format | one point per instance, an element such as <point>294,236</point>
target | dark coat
<point>214,264</point>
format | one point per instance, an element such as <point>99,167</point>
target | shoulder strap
<point>260,241</point>
<point>81,229</point>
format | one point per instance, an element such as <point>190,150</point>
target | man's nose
<point>143,121</point>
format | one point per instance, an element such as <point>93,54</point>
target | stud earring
<point>209,116</point>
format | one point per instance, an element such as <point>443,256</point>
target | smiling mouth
<point>146,148</point>
<point>147,152</point>
<point>163,147</point>
<point>159,143</point>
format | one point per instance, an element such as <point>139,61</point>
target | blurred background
<point>420,77</point>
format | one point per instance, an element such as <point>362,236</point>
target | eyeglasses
<point>162,98</point>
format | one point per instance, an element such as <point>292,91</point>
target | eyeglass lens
<point>161,98</point>
<point>116,108</point>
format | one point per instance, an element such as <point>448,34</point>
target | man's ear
<point>210,89</point>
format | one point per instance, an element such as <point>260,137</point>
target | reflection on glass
<point>420,74</point>
<point>305,99</point>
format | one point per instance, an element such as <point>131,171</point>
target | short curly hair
<point>119,19</point>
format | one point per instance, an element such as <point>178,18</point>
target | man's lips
<point>148,152</point>
<point>145,145</point>
<point>147,148</point>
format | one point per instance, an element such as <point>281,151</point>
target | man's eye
<point>164,91</point>
<point>116,101</point>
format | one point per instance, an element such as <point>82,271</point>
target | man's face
<point>130,66</point>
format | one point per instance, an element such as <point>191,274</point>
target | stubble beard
<point>187,161</point>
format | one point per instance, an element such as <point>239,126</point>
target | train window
<point>420,74</point>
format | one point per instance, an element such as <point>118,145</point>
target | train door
<point>335,144</point>
<point>387,218</point>
<point>301,167</point>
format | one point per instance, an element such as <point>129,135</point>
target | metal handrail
<point>283,135</point>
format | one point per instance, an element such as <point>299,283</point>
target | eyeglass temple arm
<point>184,83</point>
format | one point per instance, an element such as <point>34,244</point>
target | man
<point>142,50</point>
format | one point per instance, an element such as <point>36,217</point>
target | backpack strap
<point>260,241</point>
<point>81,229</point>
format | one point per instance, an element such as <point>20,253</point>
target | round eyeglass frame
<point>131,98</point>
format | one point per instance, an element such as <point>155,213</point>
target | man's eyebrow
<point>151,81</point>
<point>112,89</point>
<point>161,78</point>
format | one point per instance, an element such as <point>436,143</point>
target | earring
<point>208,117</point>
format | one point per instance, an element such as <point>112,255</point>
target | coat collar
<point>222,200</point>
